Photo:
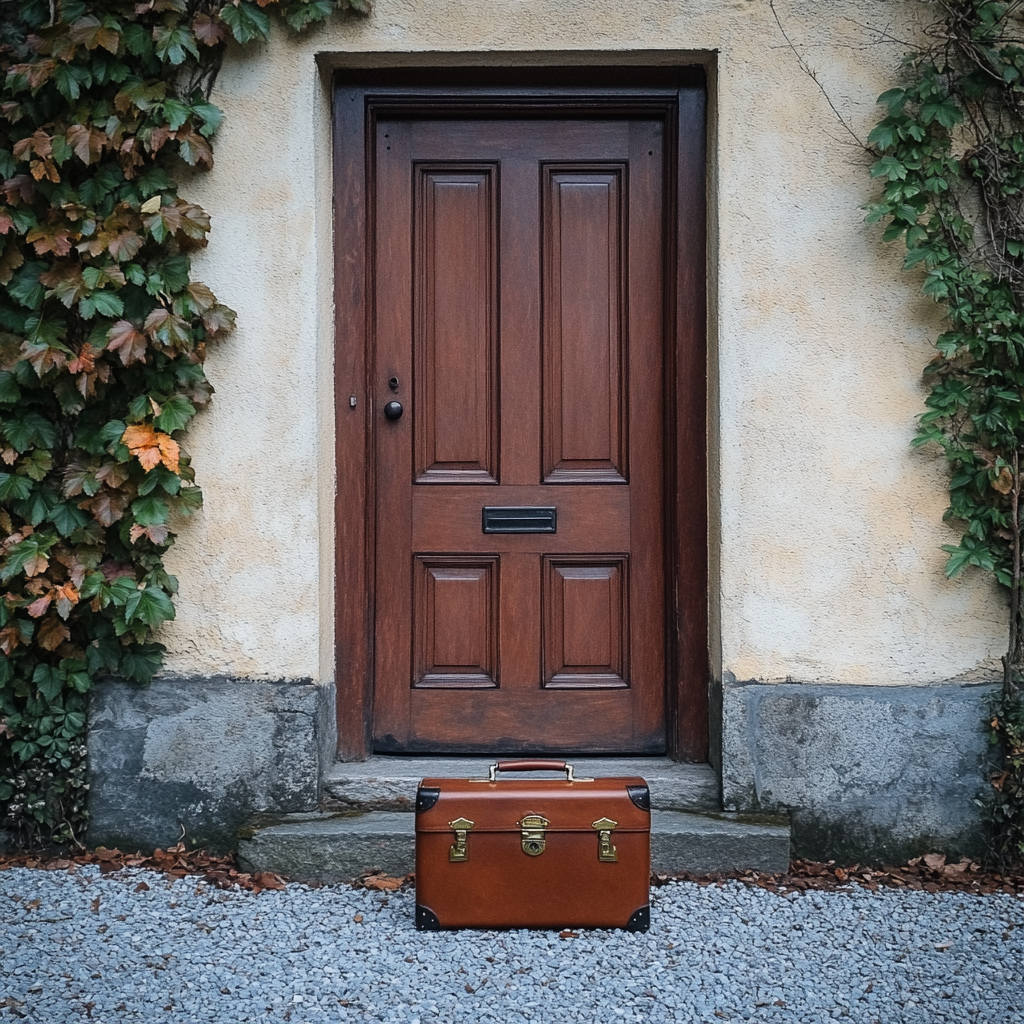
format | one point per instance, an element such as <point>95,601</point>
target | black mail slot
<point>521,519</point>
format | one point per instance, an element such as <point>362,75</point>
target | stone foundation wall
<point>867,773</point>
<point>203,755</point>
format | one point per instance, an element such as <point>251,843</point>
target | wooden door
<point>518,319</point>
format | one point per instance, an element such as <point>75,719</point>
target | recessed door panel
<point>586,622</point>
<point>455,621</point>
<point>455,328</point>
<point>584,291</point>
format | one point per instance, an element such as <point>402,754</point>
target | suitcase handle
<point>533,766</point>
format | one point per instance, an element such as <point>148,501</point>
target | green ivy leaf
<point>189,500</point>
<point>30,429</point>
<point>105,303</point>
<point>894,100</point>
<point>14,487</point>
<point>150,511</point>
<point>173,42</point>
<point>140,662</point>
<point>48,680</point>
<point>889,167</point>
<point>176,113</point>
<point>150,606</point>
<point>70,79</point>
<point>299,15</point>
<point>175,412</point>
<point>210,115</point>
<point>246,23</point>
<point>10,393</point>
<point>67,518</point>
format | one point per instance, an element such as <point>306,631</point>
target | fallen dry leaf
<point>381,882</point>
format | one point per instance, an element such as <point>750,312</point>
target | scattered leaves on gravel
<point>930,873</point>
<point>380,882</point>
<point>175,862</point>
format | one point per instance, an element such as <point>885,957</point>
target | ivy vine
<point>103,333</point>
<point>950,152</point>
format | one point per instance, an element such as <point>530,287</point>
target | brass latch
<point>459,850</point>
<point>532,827</point>
<point>605,850</point>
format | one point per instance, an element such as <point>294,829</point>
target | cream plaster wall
<point>827,526</point>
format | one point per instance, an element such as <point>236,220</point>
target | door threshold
<point>387,782</point>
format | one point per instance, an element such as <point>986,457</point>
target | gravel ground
<point>136,946</point>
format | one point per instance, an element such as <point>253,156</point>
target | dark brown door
<point>518,314</point>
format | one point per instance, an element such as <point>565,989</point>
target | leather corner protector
<point>641,796</point>
<point>426,798</point>
<point>640,921</point>
<point>426,919</point>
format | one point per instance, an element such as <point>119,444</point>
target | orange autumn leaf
<point>67,597</point>
<point>151,447</point>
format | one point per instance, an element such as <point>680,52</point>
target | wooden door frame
<point>678,97</point>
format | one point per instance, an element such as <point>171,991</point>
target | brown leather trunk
<point>533,853</point>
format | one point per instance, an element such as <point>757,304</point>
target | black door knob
<point>393,410</point>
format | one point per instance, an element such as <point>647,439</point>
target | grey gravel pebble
<point>78,946</point>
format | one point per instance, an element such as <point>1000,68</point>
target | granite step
<point>388,782</point>
<point>338,846</point>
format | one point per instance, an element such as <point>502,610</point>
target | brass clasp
<point>459,850</point>
<point>605,851</point>
<point>532,827</point>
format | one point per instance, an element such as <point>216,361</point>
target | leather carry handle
<point>534,765</point>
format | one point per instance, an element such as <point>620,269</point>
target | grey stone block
<point>200,756</point>
<point>867,773</point>
<point>388,783</point>
<point>338,847</point>
<point>723,842</point>
<point>331,847</point>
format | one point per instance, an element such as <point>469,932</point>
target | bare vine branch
<point>813,75</point>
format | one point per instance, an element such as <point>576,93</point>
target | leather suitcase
<point>533,853</point>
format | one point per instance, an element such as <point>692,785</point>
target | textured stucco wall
<point>827,526</point>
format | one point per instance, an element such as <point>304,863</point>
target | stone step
<point>336,847</point>
<point>388,783</point>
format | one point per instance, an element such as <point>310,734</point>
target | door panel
<point>455,329</point>
<point>455,621</point>
<point>584,324</point>
<point>518,273</point>
<point>586,623</point>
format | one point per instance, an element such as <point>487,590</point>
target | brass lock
<point>459,850</point>
<point>605,851</point>
<point>532,827</point>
